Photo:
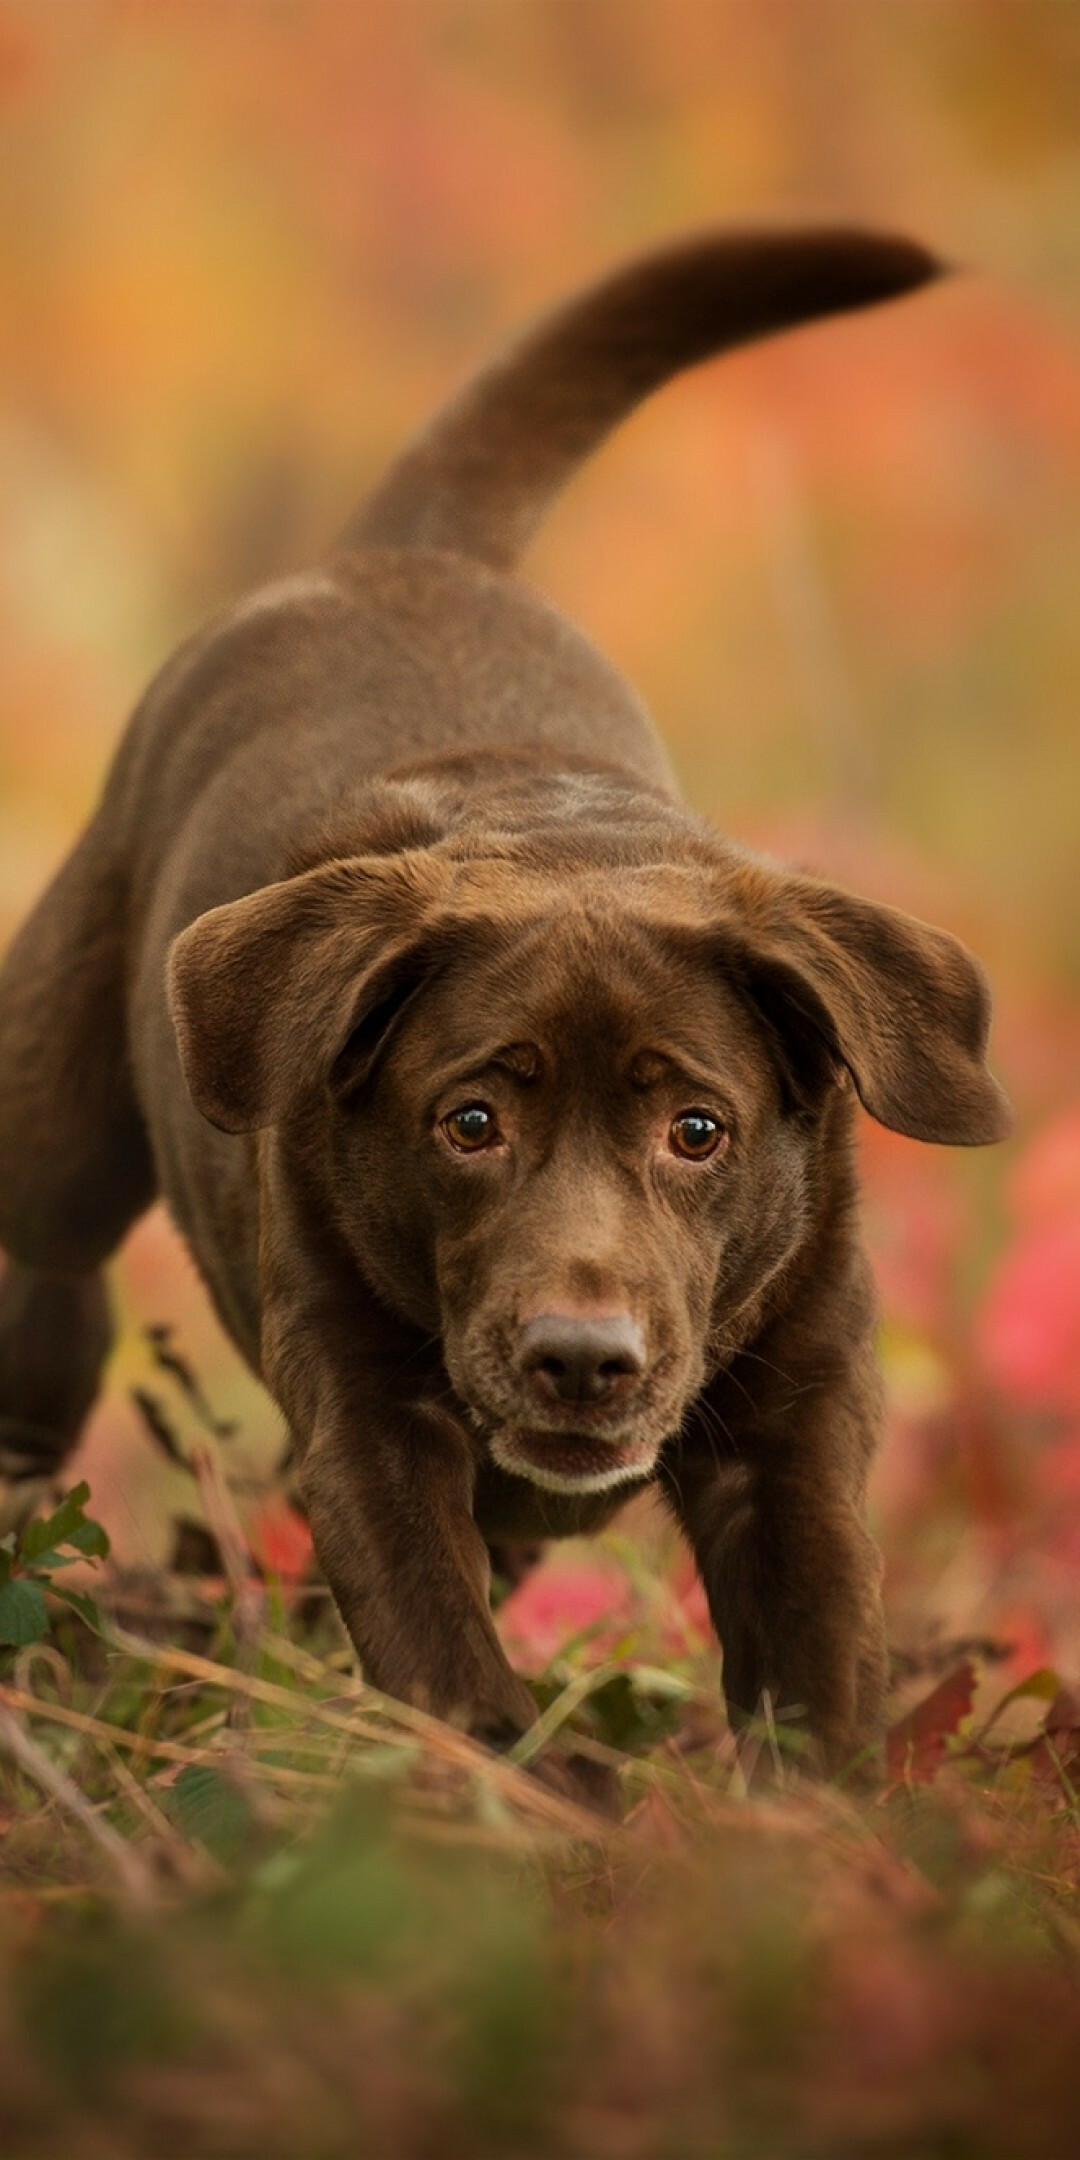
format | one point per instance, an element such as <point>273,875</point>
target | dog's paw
<point>577,1778</point>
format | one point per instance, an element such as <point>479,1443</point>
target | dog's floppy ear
<point>266,991</point>
<point>903,1006</point>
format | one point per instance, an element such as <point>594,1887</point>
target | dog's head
<point>574,1115</point>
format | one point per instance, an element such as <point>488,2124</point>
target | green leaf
<point>67,1525</point>
<point>207,1806</point>
<point>625,1715</point>
<point>616,1713</point>
<point>89,1538</point>
<point>83,1605</point>
<point>23,1615</point>
<point>48,1530</point>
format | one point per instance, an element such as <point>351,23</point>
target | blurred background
<point>247,244</point>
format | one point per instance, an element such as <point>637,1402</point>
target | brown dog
<point>506,1108</point>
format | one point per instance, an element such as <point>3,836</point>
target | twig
<point>146,1745</point>
<point>158,1426</point>
<point>170,1361</point>
<point>133,1877</point>
<point>443,1740</point>
<point>138,1743</point>
<point>554,1717</point>
<point>196,1869</point>
<point>171,1656</point>
<point>249,1598</point>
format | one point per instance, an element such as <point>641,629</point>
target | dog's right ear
<point>266,991</point>
<point>902,1006</point>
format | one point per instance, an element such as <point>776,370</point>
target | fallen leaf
<point>916,1746</point>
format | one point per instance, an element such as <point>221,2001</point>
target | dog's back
<point>413,639</point>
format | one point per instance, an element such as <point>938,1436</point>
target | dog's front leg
<point>387,1471</point>
<point>390,1505</point>
<point>385,1468</point>
<point>792,1578</point>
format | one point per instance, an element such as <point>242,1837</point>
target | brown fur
<point>392,840</point>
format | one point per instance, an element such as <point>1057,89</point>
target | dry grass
<point>248,1905</point>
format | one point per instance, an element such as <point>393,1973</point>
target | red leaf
<point>281,1541</point>
<point>915,1745</point>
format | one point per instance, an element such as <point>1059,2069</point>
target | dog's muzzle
<point>574,1359</point>
<point>572,1462</point>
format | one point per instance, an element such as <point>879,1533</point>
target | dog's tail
<point>481,476</point>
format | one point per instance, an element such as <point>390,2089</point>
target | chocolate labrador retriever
<point>506,1107</point>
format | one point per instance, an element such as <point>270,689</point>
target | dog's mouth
<point>571,1462</point>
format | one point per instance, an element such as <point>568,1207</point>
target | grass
<point>249,1906</point>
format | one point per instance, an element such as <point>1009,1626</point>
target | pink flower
<point>558,1601</point>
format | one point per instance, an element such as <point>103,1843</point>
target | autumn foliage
<point>245,248</point>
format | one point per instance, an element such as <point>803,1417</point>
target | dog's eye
<point>695,1134</point>
<point>471,1127</point>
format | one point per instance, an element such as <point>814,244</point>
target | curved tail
<point>481,476</point>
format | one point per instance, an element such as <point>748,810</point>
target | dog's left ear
<point>904,1007</point>
<point>273,995</point>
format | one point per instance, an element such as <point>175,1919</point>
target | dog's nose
<point>582,1361</point>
